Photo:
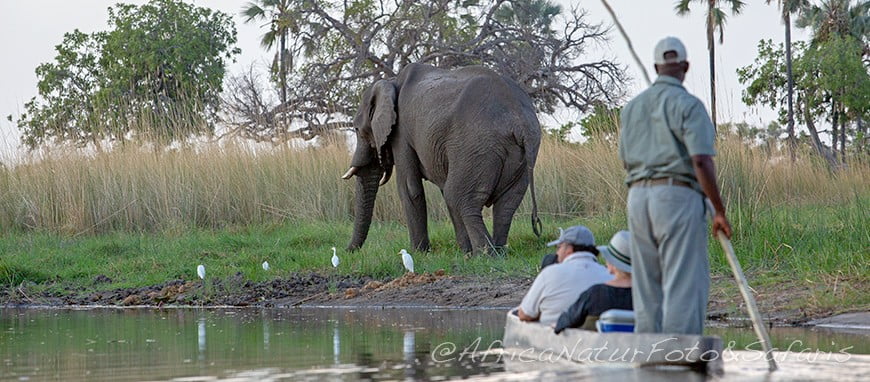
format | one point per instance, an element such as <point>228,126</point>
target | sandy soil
<point>428,289</point>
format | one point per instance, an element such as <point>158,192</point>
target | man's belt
<point>659,182</point>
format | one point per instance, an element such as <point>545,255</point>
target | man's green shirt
<point>661,129</point>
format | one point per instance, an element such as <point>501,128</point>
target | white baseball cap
<point>669,44</point>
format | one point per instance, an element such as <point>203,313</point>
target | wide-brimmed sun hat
<point>616,252</point>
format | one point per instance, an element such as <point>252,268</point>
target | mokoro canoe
<point>533,341</point>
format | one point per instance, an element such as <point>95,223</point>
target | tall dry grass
<point>226,185</point>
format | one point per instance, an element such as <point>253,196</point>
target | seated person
<point>613,294</point>
<point>549,259</point>
<point>558,285</point>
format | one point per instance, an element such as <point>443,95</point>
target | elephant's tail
<point>536,221</point>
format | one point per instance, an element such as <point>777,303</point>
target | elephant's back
<point>470,114</point>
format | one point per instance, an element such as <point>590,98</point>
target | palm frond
<point>268,39</point>
<point>736,6</point>
<point>252,11</point>
<point>682,7</point>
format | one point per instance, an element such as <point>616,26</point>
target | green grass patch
<point>811,244</point>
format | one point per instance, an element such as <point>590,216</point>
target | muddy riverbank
<point>427,289</point>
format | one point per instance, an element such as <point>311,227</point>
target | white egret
<point>200,271</point>
<point>335,260</point>
<point>265,265</point>
<point>407,261</point>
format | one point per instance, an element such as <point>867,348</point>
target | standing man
<point>666,145</point>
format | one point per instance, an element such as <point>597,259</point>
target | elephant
<point>470,131</point>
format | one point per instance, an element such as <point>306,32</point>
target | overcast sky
<point>30,29</point>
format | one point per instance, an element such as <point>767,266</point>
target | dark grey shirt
<point>661,129</point>
<point>592,303</point>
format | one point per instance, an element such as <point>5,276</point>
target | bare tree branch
<point>347,45</point>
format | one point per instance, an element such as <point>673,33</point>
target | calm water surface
<point>348,344</point>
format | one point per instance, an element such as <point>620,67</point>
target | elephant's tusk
<point>386,178</point>
<point>350,172</point>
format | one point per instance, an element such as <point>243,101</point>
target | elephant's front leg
<point>410,187</point>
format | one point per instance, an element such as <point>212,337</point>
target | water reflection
<point>266,332</point>
<point>336,344</point>
<point>293,344</point>
<point>408,346</point>
<point>200,336</point>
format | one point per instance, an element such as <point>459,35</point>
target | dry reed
<point>212,186</point>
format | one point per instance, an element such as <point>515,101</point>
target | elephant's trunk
<point>366,190</point>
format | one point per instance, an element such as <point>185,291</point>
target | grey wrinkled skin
<point>470,131</point>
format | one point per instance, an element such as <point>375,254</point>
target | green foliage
<point>832,18</point>
<point>561,133</point>
<point>156,75</point>
<point>767,78</point>
<point>840,73</point>
<point>766,137</point>
<point>535,15</point>
<point>831,81</point>
<point>602,124</point>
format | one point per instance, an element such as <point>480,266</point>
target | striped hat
<point>616,252</point>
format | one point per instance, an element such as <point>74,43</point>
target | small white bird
<point>200,271</point>
<point>265,265</point>
<point>407,261</point>
<point>335,260</point>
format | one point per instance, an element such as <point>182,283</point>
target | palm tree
<point>838,17</point>
<point>788,7</point>
<point>278,14</point>
<point>537,15</point>
<point>715,20</point>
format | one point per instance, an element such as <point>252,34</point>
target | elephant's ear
<point>384,112</point>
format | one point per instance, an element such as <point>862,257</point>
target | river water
<point>352,345</point>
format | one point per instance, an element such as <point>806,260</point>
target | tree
<point>838,18</point>
<point>532,15</point>
<point>831,85</point>
<point>602,124</point>
<point>156,75</point>
<point>841,81</point>
<point>715,20</point>
<point>767,138</point>
<point>345,46</point>
<point>278,14</point>
<point>788,7</point>
<point>832,21</point>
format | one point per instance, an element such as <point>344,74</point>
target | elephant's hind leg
<point>468,205</point>
<point>459,227</point>
<point>504,208</point>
